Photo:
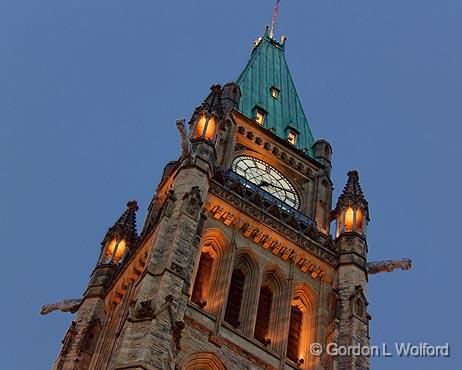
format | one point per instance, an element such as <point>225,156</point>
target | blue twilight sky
<point>89,93</point>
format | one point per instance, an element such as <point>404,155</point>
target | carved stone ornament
<point>66,305</point>
<point>307,239</point>
<point>186,148</point>
<point>177,329</point>
<point>169,205</point>
<point>388,266</point>
<point>193,202</point>
<point>145,310</point>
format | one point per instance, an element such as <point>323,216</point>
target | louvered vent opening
<point>263,315</point>
<point>203,275</point>
<point>295,332</point>
<point>236,292</point>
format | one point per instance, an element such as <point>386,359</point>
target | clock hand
<point>266,184</point>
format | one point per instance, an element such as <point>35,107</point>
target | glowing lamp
<point>359,220</point>
<point>349,219</point>
<point>205,128</point>
<point>115,251</point>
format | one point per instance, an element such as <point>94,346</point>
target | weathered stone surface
<point>139,311</point>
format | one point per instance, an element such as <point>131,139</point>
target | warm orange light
<point>349,215</point>
<point>118,247</point>
<point>260,118</point>
<point>200,127</point>
<point>210,131</point>
<point>205,125</point>
<point>359,220</point>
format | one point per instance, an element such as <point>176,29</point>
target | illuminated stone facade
<point>224,275</point>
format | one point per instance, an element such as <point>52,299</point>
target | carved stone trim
<point>264,240</point>
<point>327,252</point>
<point>278,151</point>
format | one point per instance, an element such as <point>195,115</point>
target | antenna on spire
<point>275,16</point>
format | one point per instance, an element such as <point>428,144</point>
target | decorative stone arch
<point>214,243</point>
<point>247,262</point>
<point>304,297</point>
<point>276,281</point>
<point>203,361</point>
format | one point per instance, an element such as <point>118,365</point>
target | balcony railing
<point>248,191</point>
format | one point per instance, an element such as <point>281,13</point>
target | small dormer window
<point>292,137</point>
<point>275,92</point>
<point>260,117</point>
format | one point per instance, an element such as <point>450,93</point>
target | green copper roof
<point>268,69</point>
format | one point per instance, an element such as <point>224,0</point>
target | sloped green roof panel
<point>267,68</point>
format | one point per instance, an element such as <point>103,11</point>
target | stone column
<point>352,307</point>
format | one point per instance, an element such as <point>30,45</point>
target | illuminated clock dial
<point>268,178</point>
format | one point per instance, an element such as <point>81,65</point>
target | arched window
<point>203,276</point>
<point>262,324</point>
<point>295,334</point>
<point>235,295</point>
<point>301,325</point>
<point>209,285</point>
<point>203,361</point>
<point>115,250</point>
<point>205,127</point>
<point>270,320</point>
<point>359,220</point>
<point>349,219</point>
<point>244,287</point>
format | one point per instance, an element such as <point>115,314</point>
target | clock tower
<point>236,265</point>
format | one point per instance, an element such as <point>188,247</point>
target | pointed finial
<point>125,226</point>
<point>275,16</point>
<point>352,194</point>
<point>133,205</point>
<point>353,174</point>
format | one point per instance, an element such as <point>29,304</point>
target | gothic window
<point>263,315</point>
<point>295,333</point>
<point>205,127</point>
<point>115,250</point>
<point>235,295</point>
<point>203,361</point>
<point>349,214</point>
<point>203,276</point>
<point>208,285</point>
<point>270,318</point>
<point>359,220</point>
<point>301,328</point>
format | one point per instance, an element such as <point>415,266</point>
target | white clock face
<point>267,178</point>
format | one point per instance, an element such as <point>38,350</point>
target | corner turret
<point>120,239</point>
<point>352,210</point>
<point>352,215</point>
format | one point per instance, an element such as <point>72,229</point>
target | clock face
<point>267,178</point>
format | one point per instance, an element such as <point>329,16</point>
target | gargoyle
<point>66,305</point>
<point>388,266</point>
<point>185,143</point>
